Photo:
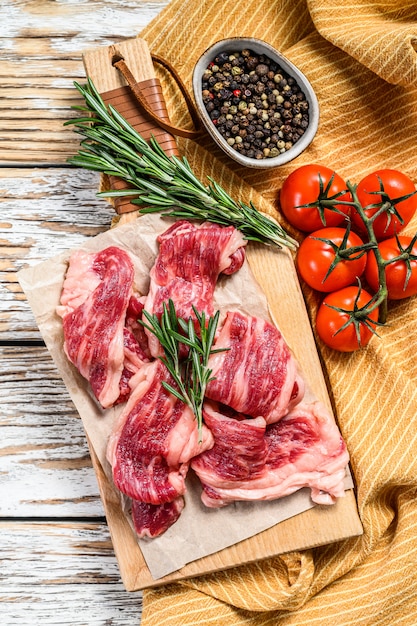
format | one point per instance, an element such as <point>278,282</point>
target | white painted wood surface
<point>57,564</point>
<point>62,573</point>
<point>44,211</point>
<point>45,467</point>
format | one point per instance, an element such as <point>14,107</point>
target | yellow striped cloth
<point>360,57</point>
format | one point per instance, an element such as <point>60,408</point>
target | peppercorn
<point>262,69</point>
<point>254,104</point>
<point>252,62</point>
<point>221,58</point>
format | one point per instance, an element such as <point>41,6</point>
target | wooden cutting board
<point>275,273</point>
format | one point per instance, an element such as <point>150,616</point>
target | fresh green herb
<point>165,184</point>
<point>191,373</point>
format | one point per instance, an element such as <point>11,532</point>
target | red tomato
<point>393,185</point>
<point>315,257</point>
<point>329,321</point>
<point>302,186</point>
<point>396,271</point>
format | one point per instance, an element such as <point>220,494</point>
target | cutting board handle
<point>124,75</point>
<point>142,98</point>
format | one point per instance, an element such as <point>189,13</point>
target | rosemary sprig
<point>165,184</point>
<point>190,373</point>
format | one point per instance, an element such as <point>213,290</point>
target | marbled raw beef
<point>97,290</point>
<point>190,259</point>
<point>154,439</point>
<point>303,449</point>
<point>256,373</point>
<point>152,520</point>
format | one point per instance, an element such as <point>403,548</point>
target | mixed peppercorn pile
<point>254,104</point>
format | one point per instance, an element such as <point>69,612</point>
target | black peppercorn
<point>223,57</point>
<point>255,105</point>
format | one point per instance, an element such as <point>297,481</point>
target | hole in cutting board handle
<point>116,58</point>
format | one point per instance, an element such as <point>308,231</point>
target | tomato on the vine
<point>330,321</point>
<point>399,285</point>
<point>303,186</point>
<point>386,186</point>
<point>328,249</point>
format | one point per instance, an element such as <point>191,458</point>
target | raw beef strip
<point>95,297</point>
<point>136,349</point>
<point>303,449</point>
<point>191,257</point>
<point>152,520</point>
<point>133,313</point>
<point>154,439</point>
<point>239,451</point>
<point>134,358</point>
<point>256,374</point>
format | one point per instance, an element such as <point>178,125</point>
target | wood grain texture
<point>44,212</point>
<point>45,466</point>
<point>98,64</point>
<point>66,574</point>
<point>58,572</point>
<point>41,48</point>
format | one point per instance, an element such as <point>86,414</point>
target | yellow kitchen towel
<point>360,56</point>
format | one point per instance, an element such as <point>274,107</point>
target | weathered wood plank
<point>62,573</point>
<point>70,23</point>
<point>15,73</point>
<point>42,56</point>
<point>45,466</point>
<point>43,213</point>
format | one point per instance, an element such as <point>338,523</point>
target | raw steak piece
<point>154,439</point>
<point>152,520</point>
<point>191,257</point>
<point>239,451</point>
<point>136,349</point>
<point>256,374</point>
<point>303,449</point>
<point>133,313</point>
<point>95,297</point>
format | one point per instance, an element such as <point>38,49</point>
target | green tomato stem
<point>381,300</point>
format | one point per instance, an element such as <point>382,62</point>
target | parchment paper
<point>200,531</point>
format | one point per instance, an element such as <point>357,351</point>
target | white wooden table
<point>57,564</point>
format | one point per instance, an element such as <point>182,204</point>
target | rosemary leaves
<point>191,373</point>
<point>165,184</point>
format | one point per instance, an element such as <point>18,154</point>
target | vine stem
<point>381,300</point>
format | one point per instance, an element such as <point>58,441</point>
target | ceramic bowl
<point>258,47</point>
